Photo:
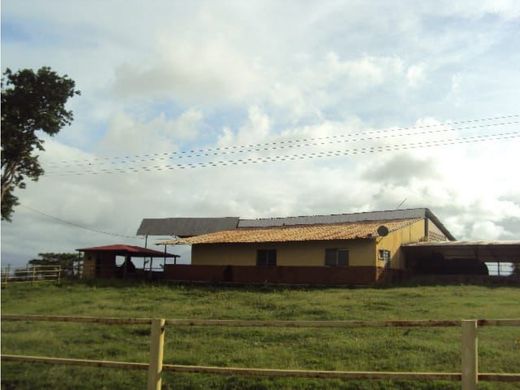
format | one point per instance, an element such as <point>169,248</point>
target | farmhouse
<point>359,248</point>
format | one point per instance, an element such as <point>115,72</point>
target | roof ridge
<point>334,215</point>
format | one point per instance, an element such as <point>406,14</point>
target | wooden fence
<point>469,375</point>
<point>32,274</point>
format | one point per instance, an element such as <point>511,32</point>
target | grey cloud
<point>399,170</point>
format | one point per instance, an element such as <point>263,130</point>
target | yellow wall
<point>306,253</point>
<point>392,242</point>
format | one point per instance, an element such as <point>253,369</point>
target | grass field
<point>392,349</point>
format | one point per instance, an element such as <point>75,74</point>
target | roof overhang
<point>507,251</point>
<point>126,250</point>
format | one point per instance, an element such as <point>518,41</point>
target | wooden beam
<point>156,355</point>
<point>81,319</point>
<point>74,362</point>
<point>469,355</point>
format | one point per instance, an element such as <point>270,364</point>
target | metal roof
<point>482,250</point>
<point>347,231</point>
<point>185,227</point>
<point>188,227</point>
<point>346,218</point>
<point>127,250</point>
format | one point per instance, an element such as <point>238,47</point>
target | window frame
<point>335,255</point>
<point>264,257</point>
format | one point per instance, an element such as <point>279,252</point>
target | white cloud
<point>164,77</point>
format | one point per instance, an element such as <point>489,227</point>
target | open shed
<point>459,257</point>
<point>100,261</point>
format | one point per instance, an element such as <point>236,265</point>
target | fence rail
<point>469,375</point>
<point>32,274</point>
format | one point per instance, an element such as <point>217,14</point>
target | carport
<point>459,257</point>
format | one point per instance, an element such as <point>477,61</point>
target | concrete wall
<point>285,275</point>
<point>411,233</point>
<point>290,254</point>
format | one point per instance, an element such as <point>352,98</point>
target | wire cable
<point>282,144</point>
<point>304,156</point>
<point>75,224</point>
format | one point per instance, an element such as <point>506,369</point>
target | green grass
<point>389,349</point>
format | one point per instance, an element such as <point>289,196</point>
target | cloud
<point>177,76</point>
<point>400,170</point>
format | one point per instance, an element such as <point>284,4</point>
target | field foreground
<point>389,349</point>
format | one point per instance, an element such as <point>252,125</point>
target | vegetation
<point>392,349</point>
<point>66,261</point>
<point>31,102</point>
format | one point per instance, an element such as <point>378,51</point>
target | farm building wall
<point>392,242</point>
<point>434,233</point>
<point>290,254</point>
<point>98,264</point>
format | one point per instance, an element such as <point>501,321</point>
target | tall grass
<point>388,349</point>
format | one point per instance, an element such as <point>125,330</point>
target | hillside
<point>390,349</point>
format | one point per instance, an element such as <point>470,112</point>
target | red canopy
<point>127,250</point>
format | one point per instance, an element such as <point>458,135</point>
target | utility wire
<point>309,144</point>
<point>304,156</point>
<point>75,224</point>
<point>282,144</point>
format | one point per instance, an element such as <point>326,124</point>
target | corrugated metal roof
<point>185,227</point>
<point>127,250</point>
<point>346,231</point>
<point>346,218</point>
<point>464,243</point>
<point>333,218</point>
<point>483,250</point>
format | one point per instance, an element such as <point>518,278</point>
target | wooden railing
<point>469,375</point>
<point>32,274</point>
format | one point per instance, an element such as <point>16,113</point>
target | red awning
<point>127,250</point>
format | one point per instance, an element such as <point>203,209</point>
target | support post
<point>156,354</point>
<point>33,274</point>
<point>8,271</point>
<point>469,355</point>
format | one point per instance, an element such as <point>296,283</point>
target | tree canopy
<point>65,260</point>
<point>31,102</point>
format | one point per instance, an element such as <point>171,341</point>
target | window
<point>336,257</point>
<point>266,257</point>
<point>384,255</point>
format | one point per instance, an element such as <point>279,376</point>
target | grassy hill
<point>392,349</point>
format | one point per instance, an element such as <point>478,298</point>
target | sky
<point>365,86</point>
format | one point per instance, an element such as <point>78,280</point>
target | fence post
<point>6,273</point>
<point>33,274</point>
<point>156,354</point>
<point>59,275</point>
<point>469,355</point>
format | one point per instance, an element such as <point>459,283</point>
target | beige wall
<point>307,253</point>
<point>392,242</point>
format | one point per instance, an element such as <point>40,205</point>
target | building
<point>359,248</point>
<point>100,261</point>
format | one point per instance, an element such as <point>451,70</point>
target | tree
<point>31,102</point>
<point>65,260</point>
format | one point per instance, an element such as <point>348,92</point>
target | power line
<point>75,224</point>
<point>282,144</point>
<point>309,144</point>
<point>304,156</point>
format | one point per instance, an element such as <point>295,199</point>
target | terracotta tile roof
<point>345,231</point>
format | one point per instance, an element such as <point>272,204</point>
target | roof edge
<point>430,215</point>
